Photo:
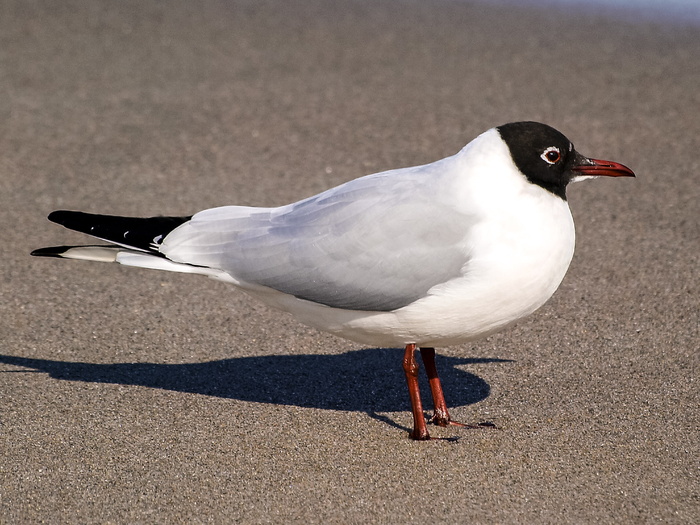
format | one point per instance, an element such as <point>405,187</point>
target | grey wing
<point>370,244</point>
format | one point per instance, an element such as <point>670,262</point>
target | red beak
<point>602,168</point>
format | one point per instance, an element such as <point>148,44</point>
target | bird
<point>413,258</point>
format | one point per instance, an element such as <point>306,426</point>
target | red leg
<point>441,417</point>
<point>410,368</point>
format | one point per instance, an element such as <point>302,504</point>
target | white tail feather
<point>140,260</point>
<point>143,260</point>
<point>92,253</point>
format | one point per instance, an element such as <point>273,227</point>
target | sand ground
<point>131,396</point>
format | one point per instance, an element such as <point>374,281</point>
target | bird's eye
<point>551,155</point>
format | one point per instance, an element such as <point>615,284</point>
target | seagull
<point>416,258</point>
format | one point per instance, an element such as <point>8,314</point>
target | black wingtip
<point>52,251</point>
<point>59,216</point>
<point>75,220</point>
<point>136,232</point>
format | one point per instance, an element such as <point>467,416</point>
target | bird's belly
<point>511,279</point>
<point>519,267</point>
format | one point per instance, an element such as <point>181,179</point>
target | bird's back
<point>376,243</point>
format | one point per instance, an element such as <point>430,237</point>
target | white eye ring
<point>548,157</point>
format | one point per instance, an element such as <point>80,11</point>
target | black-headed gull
<point>417,257</point>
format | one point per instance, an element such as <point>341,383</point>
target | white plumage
<point>430,256</point>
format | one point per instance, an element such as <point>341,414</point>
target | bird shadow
<point>368,380</point>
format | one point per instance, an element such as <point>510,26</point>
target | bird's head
<point>547,158</point>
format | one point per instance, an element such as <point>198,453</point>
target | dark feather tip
<point>52,251</point>
<point>59,216</point>
<point>143,233</point>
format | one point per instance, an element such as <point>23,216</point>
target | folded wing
<point>370,244</point>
